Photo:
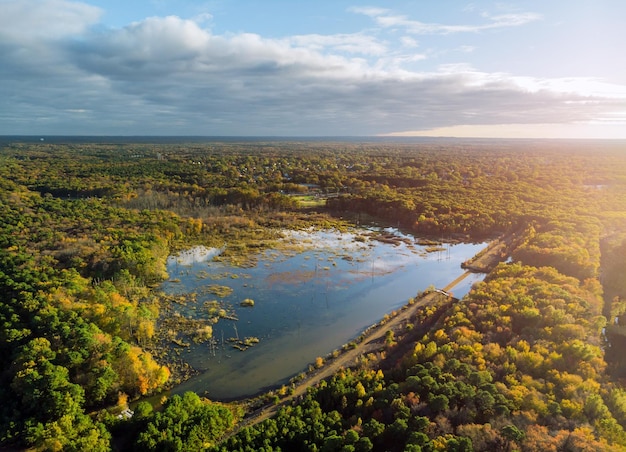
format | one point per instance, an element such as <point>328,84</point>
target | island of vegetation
<point>529,360</point>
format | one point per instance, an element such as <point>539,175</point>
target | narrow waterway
<point>315,294</point>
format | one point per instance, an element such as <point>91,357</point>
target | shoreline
<point>492,252</point>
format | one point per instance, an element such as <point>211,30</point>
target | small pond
<point>316,293</point>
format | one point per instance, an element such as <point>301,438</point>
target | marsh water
<point>313,294</point>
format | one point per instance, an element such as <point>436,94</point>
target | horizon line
<point>320,137</point>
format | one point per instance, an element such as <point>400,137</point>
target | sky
<point>513,69</point>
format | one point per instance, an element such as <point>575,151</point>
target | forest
<point>529,360</point>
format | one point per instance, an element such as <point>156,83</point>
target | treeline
<point>477,189</point>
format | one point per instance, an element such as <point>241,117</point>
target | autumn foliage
<point>518,364</point>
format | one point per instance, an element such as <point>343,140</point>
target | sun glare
<point>607,128</point>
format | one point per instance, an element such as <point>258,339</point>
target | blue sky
<point>326,68</point>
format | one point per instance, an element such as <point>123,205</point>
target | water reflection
<point>310,298</point>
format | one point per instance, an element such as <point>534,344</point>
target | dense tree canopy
<point>85,230</point>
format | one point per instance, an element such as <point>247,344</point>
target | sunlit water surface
<point>317,294</point>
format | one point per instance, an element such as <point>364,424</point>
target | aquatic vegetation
<point>202,334</point>
<point>243,344</point>
<point>220,291</point>
<point>247,302</point>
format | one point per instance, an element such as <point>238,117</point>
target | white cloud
<point>408,41</point>
<point>509,20</point>
<point>385,18</point>
<point>583,86</point>
<point>152,40</point>
<point>172,46</point>
<point>203,18</point>
<point>167,75</point>
<point>50,19</point>
<point>466,49</point>
<point>343,43</point>
<point>369,10</point>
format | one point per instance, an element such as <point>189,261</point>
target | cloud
<point>32,33</point>
<point>466,49</point>
<point>509,20</point>
<point>149,42</point>
<point>50,19</point>
<point>369,10</point>
<point>342,43</point>
<point>172,45</point>
<point>387,19</point>
<point>409,42</point>
<point>203,18</point>
<point>167,75</point>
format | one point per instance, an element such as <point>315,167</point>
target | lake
<point>315,293</point>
